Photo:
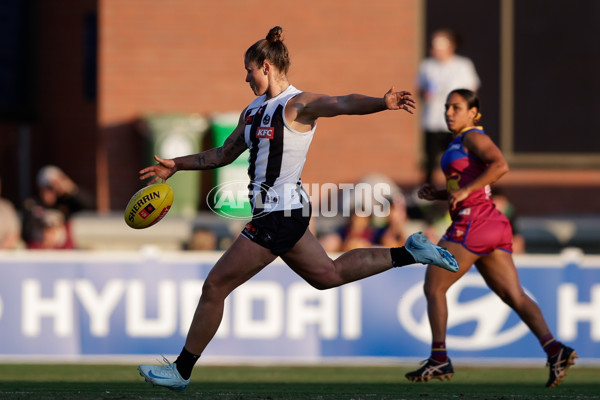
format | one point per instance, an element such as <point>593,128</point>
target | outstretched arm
<point>210,159</point>
<point>307,107</point>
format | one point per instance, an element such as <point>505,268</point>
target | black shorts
<point>278,231</point>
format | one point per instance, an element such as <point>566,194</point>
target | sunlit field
<point>88,381</point>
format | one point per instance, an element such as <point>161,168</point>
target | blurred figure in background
<point>49,231</point>
<point>359,232</point>
<point>378,216</point>
<point>438,74</point>
<point>10,224</point>
<point>202,239</point>
<point>395,231</point>
<point>46,218</point>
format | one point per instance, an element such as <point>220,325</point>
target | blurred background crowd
<point>46,220</point>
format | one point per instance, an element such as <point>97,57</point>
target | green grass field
<point>87,381</point>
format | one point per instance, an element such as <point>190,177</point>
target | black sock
<point>185,362</point>
<point>401,257</point>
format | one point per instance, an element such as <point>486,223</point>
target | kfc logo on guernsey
<point>265,133</point>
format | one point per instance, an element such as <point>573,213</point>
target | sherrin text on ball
<point>148,205</point>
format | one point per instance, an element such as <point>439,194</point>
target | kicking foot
<point>425,252</point>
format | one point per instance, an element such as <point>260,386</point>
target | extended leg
<point>500,274</point>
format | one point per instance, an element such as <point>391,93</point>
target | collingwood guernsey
<point>277,155</point>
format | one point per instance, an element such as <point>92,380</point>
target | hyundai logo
<point>490,316</point>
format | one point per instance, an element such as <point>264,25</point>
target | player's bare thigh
<point>309,260</point>
<point>240,262</point>
<point>499,271</point>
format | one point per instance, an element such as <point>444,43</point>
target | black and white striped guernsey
<point>277,155</point>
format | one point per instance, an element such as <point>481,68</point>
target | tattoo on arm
<point>203,162</point>
<point>234,147</point>
<point>219,156</point>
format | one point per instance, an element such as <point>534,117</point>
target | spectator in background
<point>394,233</point>
<point>46,218</point>
<point>440,73</point>
<point>365,227</point>
<point>202,239</point>
<point>49,231</point>
<point>10,225</point>
<point>357,233</point>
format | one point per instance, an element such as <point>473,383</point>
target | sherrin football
<point>149,205</point>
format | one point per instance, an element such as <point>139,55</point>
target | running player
<point>479,234</point>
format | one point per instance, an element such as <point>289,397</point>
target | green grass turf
<point>86,381</point>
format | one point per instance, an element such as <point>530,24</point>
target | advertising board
<point>81,303</point>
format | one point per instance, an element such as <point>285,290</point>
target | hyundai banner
<point>85,303</point>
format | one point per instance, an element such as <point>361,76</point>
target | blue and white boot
<point>164,375</point>
<point>425,252</point>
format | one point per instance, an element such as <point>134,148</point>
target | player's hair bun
<point>274,34</point>
<point>272,49</point>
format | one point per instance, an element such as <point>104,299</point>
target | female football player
<point>479,234</point>
<point>278,128</point>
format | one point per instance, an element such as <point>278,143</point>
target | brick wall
<point>187,56</point>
